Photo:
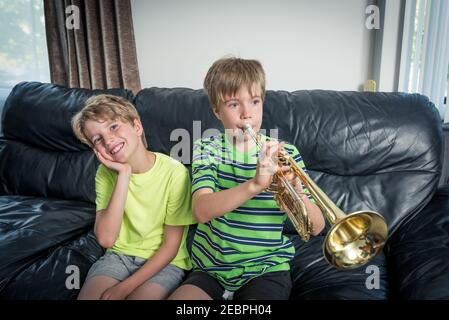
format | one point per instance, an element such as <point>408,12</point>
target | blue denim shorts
<point>120,266</point>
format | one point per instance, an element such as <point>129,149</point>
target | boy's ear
<point>215,110</point>
<point>138,127</point>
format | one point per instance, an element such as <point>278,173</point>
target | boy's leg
<point>105,273</point>
<point>269,286</point>
<point>198,286</point>
<point>148,291</point>
<point>189,292</point>
<point>160,285</point>
<point>95,286</point>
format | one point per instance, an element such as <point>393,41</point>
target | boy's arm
<point>227,200</point>
<point>108,221</point>
<point>207,205</point>
<point>164,255</point>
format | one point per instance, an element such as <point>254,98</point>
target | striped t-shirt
<point>247,242</point>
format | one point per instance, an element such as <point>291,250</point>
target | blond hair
<point>227,75</point>
<point>101,108</point>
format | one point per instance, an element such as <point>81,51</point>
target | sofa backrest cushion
<point>174,118</point>
<point>39,154</point>
<point>367,151</point>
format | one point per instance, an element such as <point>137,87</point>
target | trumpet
<point>353,240</point>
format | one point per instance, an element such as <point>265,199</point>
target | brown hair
<point>227,75</point>
<point>104,107</point>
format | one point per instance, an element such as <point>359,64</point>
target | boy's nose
<point>109,140</point>
<point>245,112</point>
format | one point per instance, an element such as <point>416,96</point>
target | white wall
<point>303,44</point>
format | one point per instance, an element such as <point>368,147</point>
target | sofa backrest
<point>367,151</point>
<point>376,151</point>
<point>39,154</point>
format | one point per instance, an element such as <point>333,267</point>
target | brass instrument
<point>353,240</point>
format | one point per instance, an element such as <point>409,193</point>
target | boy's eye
<point>233,104</point>
<point>257,101</point>
<point>96,140</point>
<point>114,126</point>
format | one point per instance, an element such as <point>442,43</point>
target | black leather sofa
<point>377,151</point>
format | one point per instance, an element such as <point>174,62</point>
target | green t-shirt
<point>248,241</point>
<point>161,196</point>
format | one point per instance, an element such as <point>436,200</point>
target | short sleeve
<point>204,165</point>
<point>293,151</point>
<point>104,186</point>
<point>179,206</point>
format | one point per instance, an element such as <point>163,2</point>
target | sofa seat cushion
<point>419,252</point>
<point>314,279</point>
<point>58,274</point>
<point>39,230</point>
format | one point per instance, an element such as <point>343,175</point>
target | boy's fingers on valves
<point>268,153</point>
<point>266,161</point>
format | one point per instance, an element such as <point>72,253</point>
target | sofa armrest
<point>418,253</point>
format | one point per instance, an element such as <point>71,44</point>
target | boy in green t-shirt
<point>143,206</point>
<point>239,249</point>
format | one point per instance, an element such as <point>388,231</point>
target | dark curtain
<point>101,53</point>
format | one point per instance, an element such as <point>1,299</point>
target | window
<point>425,51</point>
<point>23,47</point>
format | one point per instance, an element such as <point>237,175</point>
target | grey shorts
<point>120,267</point>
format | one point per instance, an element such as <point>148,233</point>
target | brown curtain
<point>101,53</point>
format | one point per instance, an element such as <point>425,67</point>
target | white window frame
<point>425,69</point>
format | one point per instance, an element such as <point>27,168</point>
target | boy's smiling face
<point>116,140</point>
<point>237,110</point>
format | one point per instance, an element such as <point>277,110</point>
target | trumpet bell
<point>355,239</point>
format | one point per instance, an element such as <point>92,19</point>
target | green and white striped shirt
<point>248,241</point>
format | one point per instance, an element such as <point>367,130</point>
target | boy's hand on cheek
<point>108,162</point>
